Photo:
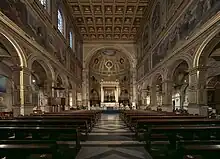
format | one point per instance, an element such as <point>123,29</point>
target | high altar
<point>109,94</point>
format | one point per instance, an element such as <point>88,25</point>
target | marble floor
<point>111,139</point>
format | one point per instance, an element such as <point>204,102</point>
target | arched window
<point>44,3</point>
<point>60,22</point>
<point>71,39</point>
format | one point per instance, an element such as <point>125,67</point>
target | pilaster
<point>16,103</point>
<point>143,99</point>
<point>102,94</point>
<point>85,88</point>
<point>167,86</point>
<point>197,91</point>
<point>153,99</point>
<point>134,88</point>
<point>26,92</point>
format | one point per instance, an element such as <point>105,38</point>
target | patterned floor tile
<point>111,139</point>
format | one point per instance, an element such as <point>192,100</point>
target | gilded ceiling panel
<point>108,19</point>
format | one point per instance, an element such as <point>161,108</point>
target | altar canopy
<point>110,91</point>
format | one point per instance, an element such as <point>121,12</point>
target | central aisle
<point>111,139</point>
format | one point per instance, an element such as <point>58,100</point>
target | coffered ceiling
<point>108,19</point>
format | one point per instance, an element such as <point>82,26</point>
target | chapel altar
<point>110,91</point>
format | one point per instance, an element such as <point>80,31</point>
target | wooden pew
<point>85,126</point>
<point>204,151</point>
<point>15,141</point>
<point>80,124</point>
<point>180,131</point>
<point>94,114</point>
<point>132,120</point>
<point>173,130</point>
<point>185,133</point>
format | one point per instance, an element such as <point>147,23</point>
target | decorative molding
<point>22,36</point>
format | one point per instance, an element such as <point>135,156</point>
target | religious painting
<point>170,3</point>
<point>146,36</point>
<point>156,58</point>
<point>156,17</point>
<point>199,12</point>
<point>15,10</point>
<point>146,66</point>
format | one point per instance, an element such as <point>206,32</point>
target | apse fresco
<point>195,16</point>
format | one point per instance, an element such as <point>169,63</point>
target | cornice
<point>215,20</point>
<point>76,29</point>
<point>168,30</point>
<point>25,37</point>
<point>48,24</point>
<point>40,10</point>
<point>145,19</point>
<point>108,42</point>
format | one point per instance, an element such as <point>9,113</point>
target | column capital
<point>167,81</point>
<point>26,69</point>
<point>16,68</point>
<point>195,69</point>
<point>85,70</point>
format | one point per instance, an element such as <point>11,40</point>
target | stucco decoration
<point>109,62</point>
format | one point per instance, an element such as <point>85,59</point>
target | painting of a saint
<point>156,17</point>
<point>16,11</point>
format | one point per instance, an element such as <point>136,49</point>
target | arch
<point>64,79</point>
<point>19,51</point>
<point>203,45</point>
<point>174,65</point>
<point>44,63</point>
<point>70,84</point>
<point>93,51</point>
<point>155,77</point>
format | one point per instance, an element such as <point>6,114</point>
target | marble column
<point>67,99</point>
<point>197,93</point>
<point>153,98</point>
<point>102,94</point>
<point>85,88</point>
<point>26,92</point>
<point>134,88</point>
<point>117,94</point>
<point>48,92</point>
<point>74,96</point>
<point>143,99</point>
<point>167,86</point>
<point>16,103</point>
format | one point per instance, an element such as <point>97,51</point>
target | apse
<point>109,81</point>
